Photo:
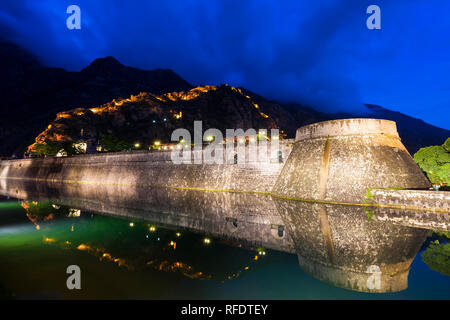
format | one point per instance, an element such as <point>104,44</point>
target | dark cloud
<point>313,52</point>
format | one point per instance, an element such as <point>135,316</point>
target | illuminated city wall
<point>339,161</point>
<point>149,168</point>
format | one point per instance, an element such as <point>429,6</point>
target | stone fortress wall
<point>152,168</point>
<point>334,161</point>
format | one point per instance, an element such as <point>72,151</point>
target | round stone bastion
<point>338,160</point>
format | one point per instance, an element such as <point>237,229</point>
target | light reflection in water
<point>104,244</point>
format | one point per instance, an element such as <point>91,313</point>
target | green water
<point>126,259</point>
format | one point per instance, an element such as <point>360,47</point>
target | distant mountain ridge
<point>423,134</point>
<point>415,133</point>
<point>32,95</point>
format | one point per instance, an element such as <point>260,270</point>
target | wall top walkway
<point>429,200</point>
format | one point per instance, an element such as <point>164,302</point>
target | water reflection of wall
<point>341,246</point>
<point>251,218</point>
<point>336,244</point>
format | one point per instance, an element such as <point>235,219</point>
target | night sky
<point>317,52</point>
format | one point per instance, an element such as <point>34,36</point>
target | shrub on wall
<point>52,148</point>
<point>435,162</point>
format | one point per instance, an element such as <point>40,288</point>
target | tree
<point>52,148</point>
<point>111,143</point>
<point>435,162</point>
<point>47,149</point>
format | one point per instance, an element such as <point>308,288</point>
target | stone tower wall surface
<point>338,160</point>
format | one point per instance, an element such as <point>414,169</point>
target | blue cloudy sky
<point>318,53</point>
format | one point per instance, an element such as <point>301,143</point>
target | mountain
<point>147,117</point>
<point>108,97</point>
<point>106,78</point>
<point>32,94</point>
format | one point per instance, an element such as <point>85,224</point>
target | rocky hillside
<point>147,117</point>
<point>33,94</point>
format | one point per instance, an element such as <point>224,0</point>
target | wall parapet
<point>344,127</point>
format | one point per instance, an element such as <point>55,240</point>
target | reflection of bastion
<point>339,245</point>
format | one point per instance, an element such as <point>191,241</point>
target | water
<point>136,244</point>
